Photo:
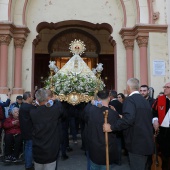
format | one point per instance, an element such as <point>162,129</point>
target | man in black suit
<point>144,91</point>
<point>136,122</point>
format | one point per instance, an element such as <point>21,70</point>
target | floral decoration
<point>67,83</point>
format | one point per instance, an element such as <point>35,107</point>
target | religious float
<point>75,82</point>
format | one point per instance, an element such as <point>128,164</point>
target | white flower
<point>99,67</point>
<point>94,70</point>
<point>67,83</point>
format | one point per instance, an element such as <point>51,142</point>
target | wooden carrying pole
<point>106,140</point>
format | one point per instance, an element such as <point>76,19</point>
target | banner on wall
<point>159,68</point>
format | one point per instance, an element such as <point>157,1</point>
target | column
<point>19,44</point>
<point>143,42</point>
<point>129,45</point>
<point>4,42</point>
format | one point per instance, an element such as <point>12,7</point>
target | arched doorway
<point>53,44</point>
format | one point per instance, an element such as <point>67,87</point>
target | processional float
<point>75,82</point>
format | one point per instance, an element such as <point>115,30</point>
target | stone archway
<point>88,32</point>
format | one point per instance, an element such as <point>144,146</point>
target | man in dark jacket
<point>46,131</point>
<point>26,128</point>
<point>95,137</point>
<point>144,91</point>
<point>136,122</point>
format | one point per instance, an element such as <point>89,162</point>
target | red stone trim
<point>5,39</point>
<point>71,23</point>
<point>138,12</point>
<point>129,43</point>
<point>9,10</point>
<point>17,91</point>
<point>124,13</point>
<point>4,90</point>
<point>24,12</point>
<point>142,41</point>
<point>19,42</point>
<point>150,11</point>
<point>142,30</point>
<point>13,31</point>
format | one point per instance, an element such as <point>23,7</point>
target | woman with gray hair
<point>13,139</point>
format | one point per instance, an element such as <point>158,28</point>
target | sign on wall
<point>159,68</point>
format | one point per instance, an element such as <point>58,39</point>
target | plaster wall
<point>18,20</point>
<point>158,51</point>
<point>136,57</point>
<point>4,10</point>
<point>144,15</point>
<point>130,13</point>
<point>168,22</point>
<point>160,6</point>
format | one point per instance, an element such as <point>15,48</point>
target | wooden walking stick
<point>106,140</point>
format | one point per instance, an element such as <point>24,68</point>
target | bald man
<point>161,121</point>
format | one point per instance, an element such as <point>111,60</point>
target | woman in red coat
<point>13,140</point>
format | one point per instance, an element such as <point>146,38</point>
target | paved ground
<point>76,161</point>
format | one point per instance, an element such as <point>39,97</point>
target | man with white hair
<point>136,123</point>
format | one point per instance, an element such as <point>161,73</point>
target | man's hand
<point>112,107</point>
<point>107,127</point>
<point>156,125</point>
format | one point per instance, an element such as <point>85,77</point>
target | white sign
<point>159,68</point>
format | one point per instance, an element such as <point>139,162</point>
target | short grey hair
<point>14,109</point>
<point>41,95</point>
<point>133,83</point>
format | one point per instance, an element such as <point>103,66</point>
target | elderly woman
<point>13,140</point>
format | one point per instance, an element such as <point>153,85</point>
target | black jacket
<point>117,105</point>
<point>46,132</point>
<point>95,137</point>
<point>25,120</point>
<point>137,125</point>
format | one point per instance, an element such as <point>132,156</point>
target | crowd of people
<point>38,127</point>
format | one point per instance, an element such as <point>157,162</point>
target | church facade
<point>130,37</point>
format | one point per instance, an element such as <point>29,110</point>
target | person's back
<point>46,120</point>
<point>46,132</point>
<point>96,137</point>
<point>138,136</point>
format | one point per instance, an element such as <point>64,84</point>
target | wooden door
<point>108,71</point>
<point>41,69</point>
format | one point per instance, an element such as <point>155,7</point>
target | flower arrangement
<point>70,82</point>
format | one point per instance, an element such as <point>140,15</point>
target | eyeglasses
<point>166,87</point>
<point>119,97</point>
